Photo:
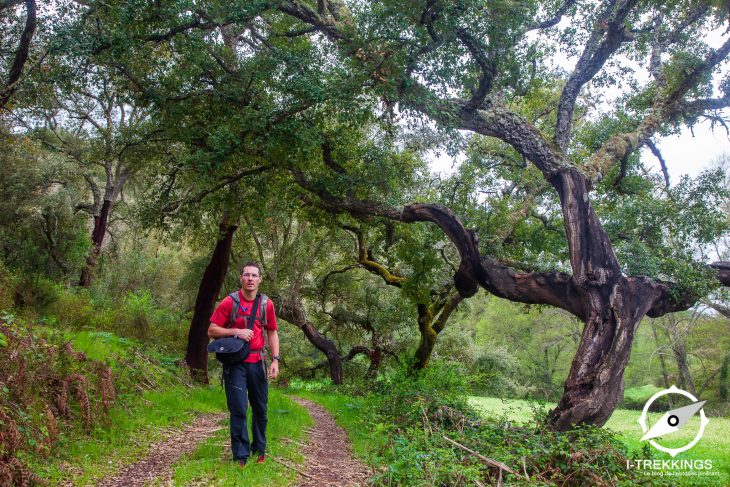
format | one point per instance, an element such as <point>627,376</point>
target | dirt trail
<point>328,453</point>
<point>157,466</point>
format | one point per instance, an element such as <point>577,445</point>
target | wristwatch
<point>276,357</point>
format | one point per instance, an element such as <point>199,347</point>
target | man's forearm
<point>215,331</point>
<point>274,342</point>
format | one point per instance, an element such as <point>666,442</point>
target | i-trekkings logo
<point>672,421</point>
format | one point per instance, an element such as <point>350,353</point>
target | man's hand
<point>246,334</point>
<point>274,369</point>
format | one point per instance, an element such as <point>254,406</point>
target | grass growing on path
<point>348,413</point>
<point>210,463</point>
<point>714,445</point>
<point>131,429</point>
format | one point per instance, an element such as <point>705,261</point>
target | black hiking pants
<point>244,383</point>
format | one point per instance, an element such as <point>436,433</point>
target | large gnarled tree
<point>425,55</point>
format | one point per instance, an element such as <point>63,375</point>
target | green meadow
<point>714,444</point>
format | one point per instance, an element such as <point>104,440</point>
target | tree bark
<point>680,355</point>
<point>101,223</point>
<point>663,364</point>
<point>292,310</point>
<point>723,378</point>
<point>431,321</point>
<point>21,54</point>
<point>196,356</point>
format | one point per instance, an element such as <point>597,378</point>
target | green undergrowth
<point>130,430</point>
<point>94,437</point>
<point>714,444</point>
<point>402,424</point>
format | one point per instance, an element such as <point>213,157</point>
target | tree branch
<point>609,33</point>
<point>555,19</point>
<point>21,54</point>
<point>171,207</point>
<point>474,270</point>
<point>655,150</point>
<point>664,109</point>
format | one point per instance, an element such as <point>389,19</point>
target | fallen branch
<point>488,461</point>
<point>291,467</point>
<point>289,440</point>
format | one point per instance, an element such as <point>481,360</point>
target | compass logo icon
<point>672,421</point>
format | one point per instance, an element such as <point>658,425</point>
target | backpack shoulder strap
<point>234,309</point>
<point>264,303</point>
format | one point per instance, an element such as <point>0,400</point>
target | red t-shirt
<point>223,311</point>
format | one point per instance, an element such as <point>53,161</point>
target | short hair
<point>251,264</point>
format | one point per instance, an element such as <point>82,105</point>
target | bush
<point>490,368</point>
<point>139,317</point>
<point>36,293</point>
<point>411,418</point>
<point>72,308</point>
<point>636,397</point>
<point>8,287</point>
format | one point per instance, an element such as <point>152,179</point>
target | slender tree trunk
<point>680,355</point>
<point>723,378</point>
<point>428,339</point>
<point>376,360</point>
<point>431,321</point>
<point>196,356</point>
<point>663,364</point>
<point>101,223</point>
<point>293,311</point>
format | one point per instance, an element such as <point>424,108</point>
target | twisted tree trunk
<point>196,356</point>
<point>292,310</point>
<point>101,223</point>
<point>431,321</point>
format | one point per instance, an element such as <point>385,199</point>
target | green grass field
<point>714,445</point>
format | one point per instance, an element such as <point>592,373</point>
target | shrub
<point>72,308</point>
<point>8,286</point>
<point>36,293</point>
<point>414,417</point>
<point>636,397</point>
<point>45,384</point>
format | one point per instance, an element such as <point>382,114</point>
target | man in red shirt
<point>249,376</point>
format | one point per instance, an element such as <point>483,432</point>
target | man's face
<point>250,279</point>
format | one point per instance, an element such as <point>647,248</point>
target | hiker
<point>247,378</point>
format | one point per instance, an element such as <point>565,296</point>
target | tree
<point>39,232</point>
<point>21,53</point>
<point>434,305</point>
<point>425,56</point>
<point>97,127</point>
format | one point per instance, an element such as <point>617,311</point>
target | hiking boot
<point>261,459</point>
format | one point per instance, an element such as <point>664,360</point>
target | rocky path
<point>328,453</point>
